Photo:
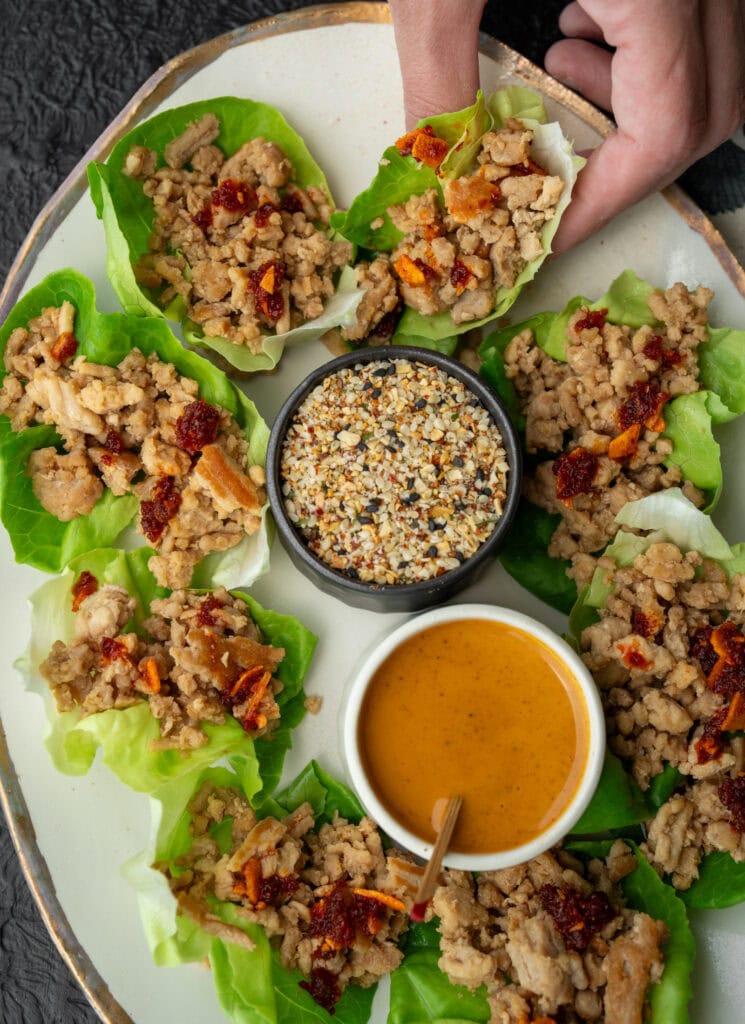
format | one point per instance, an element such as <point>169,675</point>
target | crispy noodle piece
<point>604,409</point>
<point>201,660</point>
<point>325,897</point>
<point>137,428</point>
<point>551,939</point>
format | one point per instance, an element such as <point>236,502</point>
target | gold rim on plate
<point>157,88</point>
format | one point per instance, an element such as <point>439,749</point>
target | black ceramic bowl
<point>403,597</point>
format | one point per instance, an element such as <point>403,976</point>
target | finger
<point>609,183</point>
<point>575,21</point>
<point>584,67</point>
<point>724,42</point>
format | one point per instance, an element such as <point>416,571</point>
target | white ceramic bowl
<point>596,740</point>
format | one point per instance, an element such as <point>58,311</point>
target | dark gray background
<point>67,69</point>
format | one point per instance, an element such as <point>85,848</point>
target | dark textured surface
<point>67,70</point>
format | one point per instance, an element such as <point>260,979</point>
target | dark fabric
<point>67,70</point>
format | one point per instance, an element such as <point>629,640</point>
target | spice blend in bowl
<point>395,472</point>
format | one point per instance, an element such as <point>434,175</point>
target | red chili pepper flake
<point>331,918</point>
<point>406,143</point>
<point>732,794</point>
<point>113,650</point>
<point>574,472</point>
<point>644,405</point>
<point>429,272</point>
<point>460,275</point>
<point>385,327</point>
<point>262,215</point>
<point>522,170</point>
<point>721,654</point>
<point>653,349</point>
<point>291,203</point>
<point>203,218</point>
<point>700,648</point>
<point>162,507</point>
<point>264,892</point>
<point>728,642</point>
<point>235,196</point>
<point>197,426</point>
<point>709,745</point>
<point>207,607</point>
<point>323,987</point>
<point>249,689</point>
<point>266,285</point>
<point>577,918</point>
<point>114,442</point>
<point>85,585</point>
<point>64,347</point>
<point>632,656</point>
<point>647,624</point>
<point>593,319</point>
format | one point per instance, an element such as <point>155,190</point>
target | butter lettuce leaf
<point>124,736</point>
<point>525,556</point>
<point>128,214</point>
<point>720,883</point>
<point>368,225</point>
<point>618,802</point>
<point>252,986</point>
<point>39,538</point>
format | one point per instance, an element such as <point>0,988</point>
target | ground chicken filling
<point>329,899</point>
<point>669,657</point>
<point>455,255</point>
<point>137,428</point>
<point>244,247</point>
<point>551,940</point>
<point>200,660</point>
<point>604,411</point>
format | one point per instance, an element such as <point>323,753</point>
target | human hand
<point>438,50</point>
<point>675,86</point>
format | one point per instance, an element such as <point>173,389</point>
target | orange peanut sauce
<point>479,709</point>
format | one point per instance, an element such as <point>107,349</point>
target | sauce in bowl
<point>482,709</point>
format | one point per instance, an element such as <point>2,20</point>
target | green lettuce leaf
<point>38,537</point>
<point>720,883</point>
<point>252,986</point>
<point>127,215</point>
<point>524,555</point>
<point>672,517</point>
<point>644,890</point>
<point>618,802</point>
<point>124,735</point>
<point>422,994</point>
<point>722,365</point>
<point>399,177</point>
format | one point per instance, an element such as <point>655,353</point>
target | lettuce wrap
<point>124,735</point>
<point>252,986</point>
<point>369,226</point>
<point>422,994</point>
<point>667,516</point>
<point>128,214</point>
<point>689,421</point>
<point>38,537</point>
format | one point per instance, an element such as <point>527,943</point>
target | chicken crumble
<point>551,940</point>
<point>603,410</point>
<point>329,899</point>
<point>200,659</point>
<point>668,655</point>
<point>138,428</point>
<point>244,247</point>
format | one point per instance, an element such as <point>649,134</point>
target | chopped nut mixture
<point>136,428</point>
<point>202,660</point>
<point>551,940</point>
<point>393,472</point>
<point>328,899</point>
<point>669,657</point>
<point>246,249</point>
<point>455,257</point>
<point>603,410</point>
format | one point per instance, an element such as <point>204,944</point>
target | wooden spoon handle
<point>432,871</point>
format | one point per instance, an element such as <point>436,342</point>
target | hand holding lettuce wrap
<point>216,215</point>
<point>617,399</point>
<point>105,415</point>
<point>163,683</point>
<point>659,624</point>
<point>466,206</point>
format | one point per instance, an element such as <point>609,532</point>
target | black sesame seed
<point>414,496</point>
<point>432,525</point>
<point>352,573</point>
<point>391,370</point>
<point>391,432</point>
<point>487,491</point>
<point>361,446</point>
<point>372,506</point>
<point>402,565</point>
<point>410,482</point>
<point>480,474</point>
<point>458,461</point>
<point>377,392</point>
<point>391,448</point>
<point>380,372</point>
<point>367,385</point>
<point>460,556</point>
<point>432,552</point>
<point>364,520</point>
<point>420,403</point>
